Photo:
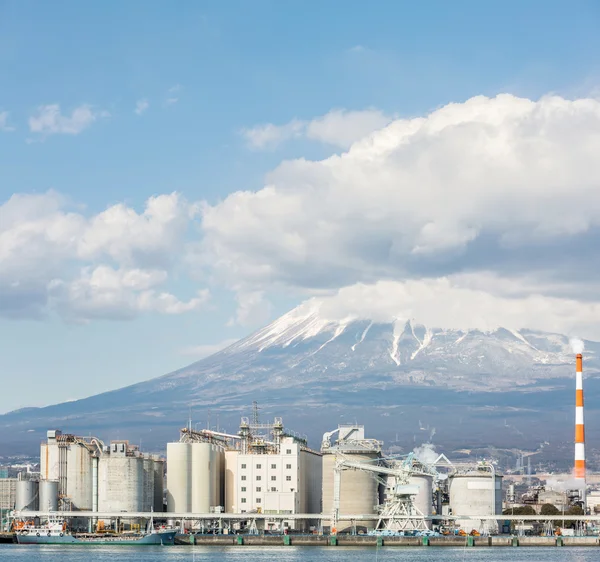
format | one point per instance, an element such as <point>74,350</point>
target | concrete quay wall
<point>364,540</point>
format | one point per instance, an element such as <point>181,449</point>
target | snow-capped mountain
<point>317,372</point>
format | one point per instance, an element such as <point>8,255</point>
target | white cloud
<point>271,136</point>
<point>505,183</point>
<point>343,128</point>
<point>200,351</point>
<point>253,309</point>
<point>105,292</point>
<point>50,121</point>
<point>4,126</point>
<point>447,303</point>
<point>114,264</point>
<point>339,128</point>
<point>172,98</point>
<point>141,106</point>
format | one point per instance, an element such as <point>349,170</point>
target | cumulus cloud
<point>4,126</point>
<point>114,264</point>
<point>141,106</point>
<point>504,184</point>
<point>338,127</point>
<point>447,303</point>
<point>49,120</point>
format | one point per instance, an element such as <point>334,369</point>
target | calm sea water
<point>16,553</point>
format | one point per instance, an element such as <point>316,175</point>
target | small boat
<point>55,532</point>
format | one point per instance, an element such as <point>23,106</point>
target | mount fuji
<point>403,380</point>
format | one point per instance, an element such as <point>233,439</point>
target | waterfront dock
<point>374,541</point>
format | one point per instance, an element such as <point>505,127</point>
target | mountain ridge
<point>319,371</point>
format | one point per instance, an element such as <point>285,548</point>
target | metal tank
<point>179,468</point>
<point>27,495</point>
<point>120,483</point>
<point>475,492</point>
<point>206,481</point>
<point>148,483</point>
<point>201,479</point>
<point>48,494</point>
<point>159,484</point>
<point>79,480</point>
<point>359,490</point>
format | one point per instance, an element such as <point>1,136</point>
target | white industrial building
<point>87,475</point>
<point>287,480</point>
<point>262,469</point>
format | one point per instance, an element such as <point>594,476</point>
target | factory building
<point>360,492</point>
<point>262,469</point>
<point>287,480</point>
<point>83,474</point>
<point>8,493</point>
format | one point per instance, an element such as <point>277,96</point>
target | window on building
<point>288,478</point>
<point>243,500</point>
<point>273,466</point>
<point>259,466</point>
<point>259,478</point>
<point>273,478</point>
<point>288,466</point>
<point>273,489</point>
<point>243,477</point>
<point>243,488</point>
<point>288,452</point>
<point>257,500</point>
<point>243,466</point>
<point>258,489</point>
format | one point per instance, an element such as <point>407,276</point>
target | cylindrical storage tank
<point>475,493</point>
<point>79,481</point>
<point>159,485</point>
<point>48,495</point>
<point>359,490</point>
<point>148,483</point>
<point>216,468</point>
<point>27,495</point>
<point>423,501</point>
<point>202,480</point>
<point>179,469</point>
<point>120,483</point>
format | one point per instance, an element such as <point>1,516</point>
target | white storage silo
<point>79,481</point>
<point>159,484</point>
<point>148,483</point>
<point>27,495</point>
<point>48,493</point>
<point>179,469</point>
<point>201,477</point>
<point>120,483</point>
<point>359,490</point>
<point>423,501</point>
<point>475,493</point>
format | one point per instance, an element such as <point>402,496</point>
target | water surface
<point>32,553</point>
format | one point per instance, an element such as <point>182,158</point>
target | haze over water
<point>291,554</point>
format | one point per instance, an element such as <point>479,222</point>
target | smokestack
<point>579,426</point>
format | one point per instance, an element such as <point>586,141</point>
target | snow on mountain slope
<point>303,348</point>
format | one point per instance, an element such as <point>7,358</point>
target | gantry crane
<point>398,512</point>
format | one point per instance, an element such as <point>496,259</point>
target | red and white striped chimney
<point>579,426</point>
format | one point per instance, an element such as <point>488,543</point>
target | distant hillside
<point>504,387</point>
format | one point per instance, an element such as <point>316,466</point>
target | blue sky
<point>206,78</point>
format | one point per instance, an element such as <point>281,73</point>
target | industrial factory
<point>265,478</point>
